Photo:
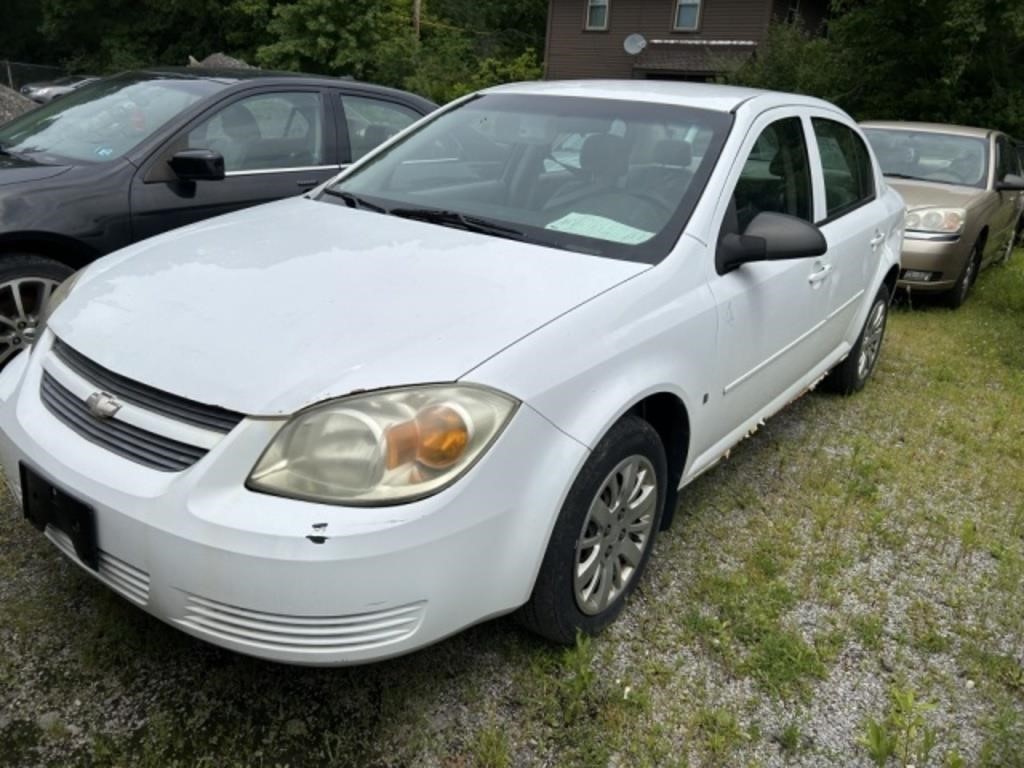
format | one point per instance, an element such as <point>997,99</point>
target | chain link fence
<point>15,74</point>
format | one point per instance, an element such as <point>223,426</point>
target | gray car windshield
<point>929,156</point>
<point>608,177</point>
<point>103,120</point>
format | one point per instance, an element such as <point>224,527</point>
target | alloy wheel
<point>615,534</point>
<point>21,304</point>
<point>871,344</point>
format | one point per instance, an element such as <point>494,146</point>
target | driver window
<point>775,178</point>
<point>265,132</point>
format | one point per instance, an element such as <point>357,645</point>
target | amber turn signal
<point>436,438</point>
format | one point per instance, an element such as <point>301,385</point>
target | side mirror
<point>198,165</point>
<point>770,237</point>
<point>1011,183</point>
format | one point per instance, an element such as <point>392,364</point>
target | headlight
<point>944,221</point>
<point>384,447</point>
<point>56,299</point>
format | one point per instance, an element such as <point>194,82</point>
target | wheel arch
<point>66,250</point>
<point>667,414</point>
<point>890,279</point>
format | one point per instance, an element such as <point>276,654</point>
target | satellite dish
<point>634,43</point>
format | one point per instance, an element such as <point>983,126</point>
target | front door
<point>275,144</point>
<point>1007,215</point>
<point>771,313</point>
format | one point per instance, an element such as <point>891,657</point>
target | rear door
<point>854,219</point>
<point>276,142</point>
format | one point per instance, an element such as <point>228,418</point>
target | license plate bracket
<point>46,504</point>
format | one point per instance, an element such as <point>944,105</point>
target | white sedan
<point>465,378</point>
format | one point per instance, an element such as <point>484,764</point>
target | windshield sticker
<point>104,151</point>
<point>601,228</point>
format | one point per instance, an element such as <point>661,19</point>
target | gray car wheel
<point>26,282</point>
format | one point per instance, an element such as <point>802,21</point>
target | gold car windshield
<point>945,158</point>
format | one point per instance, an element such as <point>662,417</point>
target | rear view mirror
<point>770,237</point>
<point>198,165</point>
<point>1011,183</point>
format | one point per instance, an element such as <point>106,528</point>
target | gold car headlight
<point>941,221</point>
<point>384,447</point>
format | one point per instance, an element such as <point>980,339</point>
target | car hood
<point>15,170</point>
<point>920,194</point>
<point>271,309</point>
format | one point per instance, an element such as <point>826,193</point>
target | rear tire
<point>26,282</point>
<point>603,537</point>
<point>852,374</point>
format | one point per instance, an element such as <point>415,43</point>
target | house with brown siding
<point>681,39</point>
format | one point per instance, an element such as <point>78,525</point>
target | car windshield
<point>929,156</point>
<point>607,177</point>
<point>102,120</point>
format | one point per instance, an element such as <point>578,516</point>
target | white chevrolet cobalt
<point>465,378</point>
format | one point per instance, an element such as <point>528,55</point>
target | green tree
<point>354,37</point>
<point>943,60</point>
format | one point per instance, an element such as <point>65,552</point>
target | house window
<point>597,14</point>
<point>687,15</point>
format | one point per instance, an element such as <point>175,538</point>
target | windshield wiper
<point>460,221</point>
<point>354,201</point>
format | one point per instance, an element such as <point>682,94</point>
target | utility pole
<point>417,6</point>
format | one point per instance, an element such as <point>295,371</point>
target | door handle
<point>877,240</point>
<point>306,183</point>
<point>816,277</point>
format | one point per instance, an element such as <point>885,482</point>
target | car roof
<point>228,76</point>
<point>717,98</point>
<point>902,125</point>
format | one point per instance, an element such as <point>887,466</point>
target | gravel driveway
<point>844,591</point>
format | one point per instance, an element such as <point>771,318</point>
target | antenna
<point>634,44</point>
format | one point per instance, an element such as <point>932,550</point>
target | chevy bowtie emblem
<point>103,405</point>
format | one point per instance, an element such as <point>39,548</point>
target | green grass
<point>853,553</point>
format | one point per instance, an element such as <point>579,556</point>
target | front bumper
<point>943,259</point>
<point>250,572</point>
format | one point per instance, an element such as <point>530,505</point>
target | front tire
<point>603,537</point>
<point>852,373</point>
<point>957,295</point>
<point>26,282</point>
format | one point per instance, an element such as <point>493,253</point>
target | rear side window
<point>846,163</point>
<point>371,122</point>
<point>776,176</point>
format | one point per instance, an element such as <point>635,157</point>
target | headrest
<point>604,155</point>
<point>239,123</point>
<point>669,152</point>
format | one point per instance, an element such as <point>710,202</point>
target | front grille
<point>304,634</point>
<point>144,396</point>
<point>121,438</point>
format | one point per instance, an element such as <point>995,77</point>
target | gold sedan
<point>964,192</point>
